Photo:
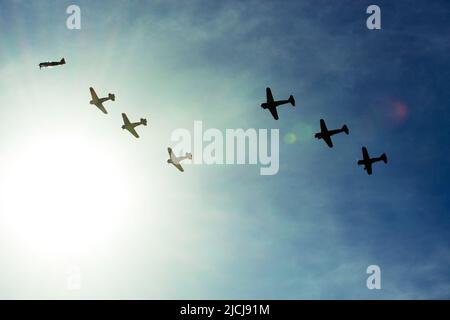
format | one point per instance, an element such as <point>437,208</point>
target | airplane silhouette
<point>52,64</point>
<point>272,105</point>
<point>98,102</point>
<point>130,126</point>
<point>326,134</point>
<point>176,160</point>
<point>367,161</point>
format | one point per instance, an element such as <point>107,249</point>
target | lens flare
<point>399,110</point>
<point>290,138</point>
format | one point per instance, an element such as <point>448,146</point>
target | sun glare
<point>63,196</point>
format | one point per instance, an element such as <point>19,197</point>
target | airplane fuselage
<point>377,159</point>
<point>328,133</point>
<point>177,160</point>
<point>51,64</point>
<point>267,105</point>
<point>371,160</point>
<point>100,101</point>
<point>132,125</point>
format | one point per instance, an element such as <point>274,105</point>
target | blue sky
<point>308,232</point>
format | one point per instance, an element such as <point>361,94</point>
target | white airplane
<point>176,160</point>
<point>98,102</point>
<point>131,125</point>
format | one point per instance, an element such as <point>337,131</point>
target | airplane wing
<point>101,107</point>
<point>128,126</point>
<point>274,112</point>
<point>269,95</point>
<point>125,119</point>
<point>325,136</point>
<point>132,131</point>
<point>327,139</point>
<point>323,126</point>
<point>96,101</point>
<point>93,94</point>
<point>367,162</point>
<point>365,154</point>
<point>171,155</point>
<point>179,167</point>
<point>368,166</point>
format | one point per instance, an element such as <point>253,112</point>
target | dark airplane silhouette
<point>272,105</point>
<point>131,125</point>
<point>367,161</point>
<point>326,134</point>
<point>52,64</point>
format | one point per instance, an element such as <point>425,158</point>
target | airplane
<point>98,102</point>
<point>272,105</point>
<point>367,161</point>
<point>326,134</point>
<point>176,160</point>
<point>52,64</point>
<point>131,125</point>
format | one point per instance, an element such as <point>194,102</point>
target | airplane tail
<point>112,96</point>
<point>345,129</point>
<point>63,61</point>
<point>292,100</point>
<point>144,121</point>
<point>384,158</point>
